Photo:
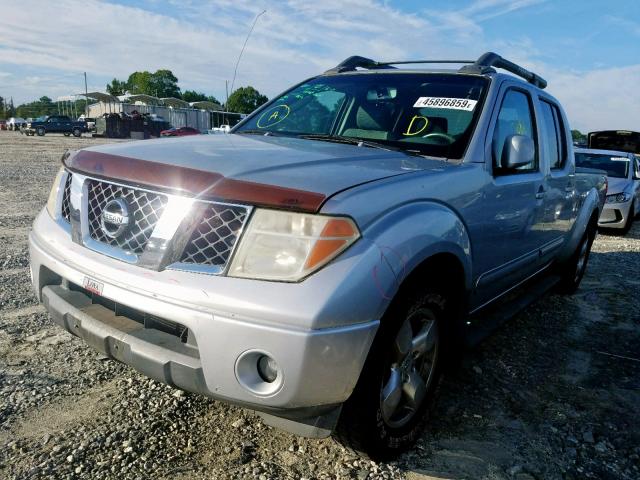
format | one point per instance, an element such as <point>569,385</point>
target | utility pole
<point>86,96</point>
<point>235,71</point>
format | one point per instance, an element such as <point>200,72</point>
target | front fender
<point>414,232</point>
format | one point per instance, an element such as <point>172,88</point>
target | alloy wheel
<point>414,357</point>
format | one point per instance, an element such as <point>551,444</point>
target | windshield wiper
<point>347,140</point>
<point>255,131</point>
<point>360,142</point>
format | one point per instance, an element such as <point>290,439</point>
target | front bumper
<point>314,330</point>
<point>614,215</point>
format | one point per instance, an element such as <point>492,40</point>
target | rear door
<point>514,219</point>
<point>561,198</point>
<point>65,124</point>
<point>52,124</point>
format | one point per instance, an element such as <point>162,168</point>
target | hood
<point>281,172</point>
<point>617,185</point>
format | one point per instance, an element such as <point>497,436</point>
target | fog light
<point>267,369</point>
<point>258,372</point>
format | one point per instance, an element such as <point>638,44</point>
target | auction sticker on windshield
<point>443,102</point>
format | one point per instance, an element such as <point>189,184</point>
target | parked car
<point>16,123</point>
<point>89,122</point>
<point>3,124</point>
<point>55,124</point>
<point>623,197</point>
<point>179,132</point>
<point>221,129</point>
<point>322,263</point>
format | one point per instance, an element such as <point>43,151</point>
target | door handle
<point>540,193</point>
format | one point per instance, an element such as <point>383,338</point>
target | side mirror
<point>517,151</point>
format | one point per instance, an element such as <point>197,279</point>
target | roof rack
<point>351,63</point>
<point>484,64</point>
<point>490,59</point>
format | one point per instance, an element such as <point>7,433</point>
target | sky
<point>588,50</point>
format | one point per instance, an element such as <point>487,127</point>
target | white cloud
<point>628,25</point>
<point>600,99</point>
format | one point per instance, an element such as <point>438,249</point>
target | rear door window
<point>555,135</point>
<point>550,135</point>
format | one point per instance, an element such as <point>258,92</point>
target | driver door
<point>512,232</point>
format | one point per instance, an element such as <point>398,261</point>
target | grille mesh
<point>213,239</point>
<point>145,208</point>
<point>66,198</point>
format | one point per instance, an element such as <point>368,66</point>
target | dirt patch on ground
<point>553,394</point>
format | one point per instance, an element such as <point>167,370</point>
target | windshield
<point>431,114</point>
<point>617,167</point>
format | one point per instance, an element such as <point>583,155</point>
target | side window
<point>515,118</point>
<point>550,142</point>
<point>562,137</point>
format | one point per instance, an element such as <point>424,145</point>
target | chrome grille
<point>212,241</point>
<point>66,198</point>
<point>146,209</point>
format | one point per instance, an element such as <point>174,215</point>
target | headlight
<point>618,198</point>
<point>288,246</point>
<point>53,194</point>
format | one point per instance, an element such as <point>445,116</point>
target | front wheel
<point>40,132</point>
<point>630,217</point>
<point>573,270</point>
<point>77,132</point>
<point>388,408</point>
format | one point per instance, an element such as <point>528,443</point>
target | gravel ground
<point>553,394</point>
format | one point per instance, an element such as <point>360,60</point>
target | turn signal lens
<point>288,246</point>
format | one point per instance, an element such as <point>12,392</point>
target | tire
<point>40,131</point>
<point>573,270</point>
<point>398,375</point>
<point>77,132</point>
<point>66,134</point>
<point>630,217</point>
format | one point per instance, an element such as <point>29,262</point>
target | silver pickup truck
<point>323,262</point>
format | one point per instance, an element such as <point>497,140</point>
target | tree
<point>43,106</point>
<point>117,87</point>
<point>193,96</point>
<point>245,100</point>
<point>11,110</point>
<point>578,136</point>
<point>140,83</point>
<point>162,83</point>
<point>165,84</point>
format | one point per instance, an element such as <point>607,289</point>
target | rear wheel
<point>66,134</point>
<point>573,270</point>
<point>389,406</point>
<point>77,132</point>
<point>40,131</point>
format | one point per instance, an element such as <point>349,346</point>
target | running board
<point>482,323</point>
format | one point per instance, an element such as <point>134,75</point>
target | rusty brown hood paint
<point>277,172</point>
<point>190,181</point>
